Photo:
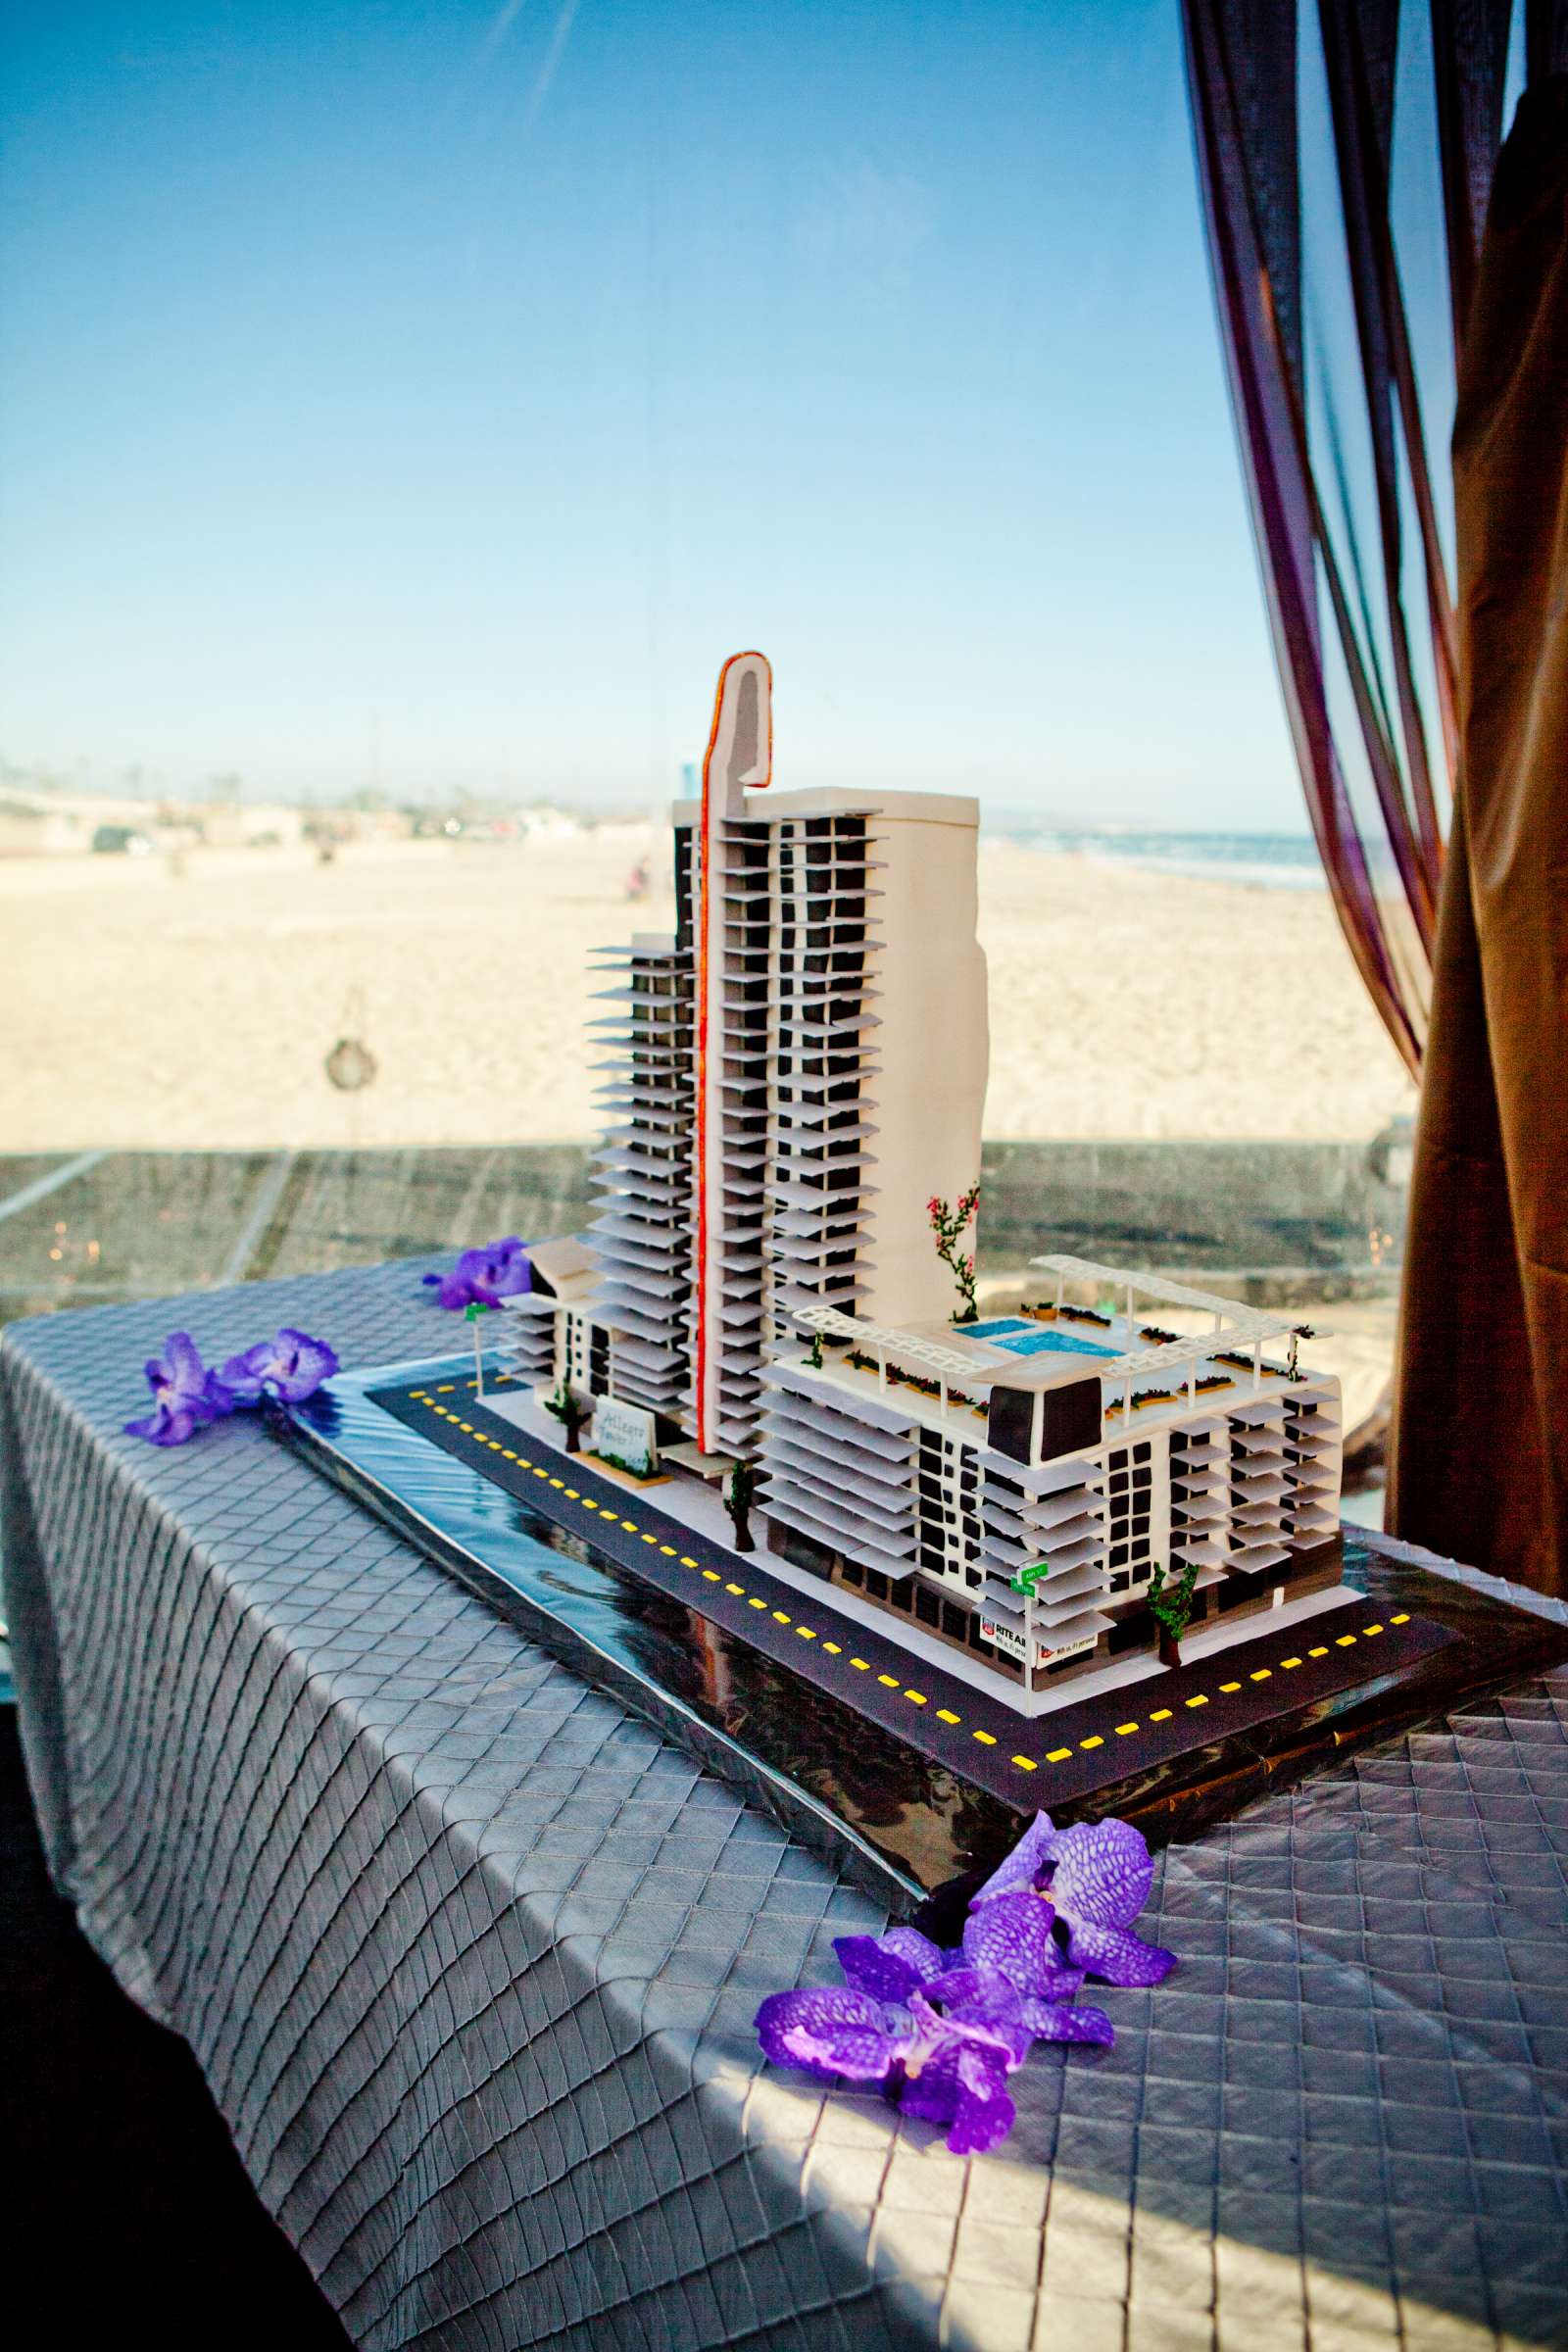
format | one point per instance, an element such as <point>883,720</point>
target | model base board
<point>922,1772</point>
<point>696,1503</point>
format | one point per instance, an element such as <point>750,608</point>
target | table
<point>468,1957</point>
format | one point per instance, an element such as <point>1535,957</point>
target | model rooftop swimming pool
<point>1021,1338</point>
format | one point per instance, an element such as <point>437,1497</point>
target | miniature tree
<point>571,1412</point>
<point>1300,1332</point>
<point>739,1497</point>
<point>815,1357</point>
<point>948,1225</point>
<point>1171,1607</point>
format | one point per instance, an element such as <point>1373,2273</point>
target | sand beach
<point>150,1007</point>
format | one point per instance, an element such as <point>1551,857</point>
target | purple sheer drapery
<point>1329,133</point>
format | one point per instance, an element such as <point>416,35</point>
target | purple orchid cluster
<point>942,2031</point>
<point>187,1393</point>
<point>484,1277</point>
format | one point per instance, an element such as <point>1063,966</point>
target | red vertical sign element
<point>711,819</point>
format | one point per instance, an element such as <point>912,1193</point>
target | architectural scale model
<point>794,1084</point>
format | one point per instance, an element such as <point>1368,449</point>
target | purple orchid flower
<point>946,2057</point>
<point>485,1276</point>
<point>890,1967</point>
<point>293,1365</point>
<point>942,2031</point>
<point>1098,1875</point>
<point>1011,1938</point>
<point>969,2035</point>
<point>973,2029</point>
<point>831,2030</point>
<point>185,1393</point>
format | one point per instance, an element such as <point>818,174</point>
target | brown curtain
<point>1478,1466</point>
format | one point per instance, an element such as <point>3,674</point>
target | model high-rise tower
<point>792,1076</point>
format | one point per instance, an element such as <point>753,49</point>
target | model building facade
<point>790,1079</point>
<point>1018,1486</point>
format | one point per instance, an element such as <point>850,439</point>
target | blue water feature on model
<point>1031,1339</point>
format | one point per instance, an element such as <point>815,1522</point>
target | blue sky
<point>451,387</point>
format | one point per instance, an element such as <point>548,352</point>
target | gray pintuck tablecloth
<point>469,1958</point>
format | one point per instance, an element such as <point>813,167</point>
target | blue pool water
<point>1021,1338</point>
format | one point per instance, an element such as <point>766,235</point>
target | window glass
<point>403,411</point>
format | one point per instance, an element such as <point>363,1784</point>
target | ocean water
<point>1268,860</point>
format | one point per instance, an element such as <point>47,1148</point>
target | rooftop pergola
<point>1233,1327</point>
<point>944,1364</point>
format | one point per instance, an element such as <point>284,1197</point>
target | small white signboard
<point>626,1433</point>
<point>1010,1639</point>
